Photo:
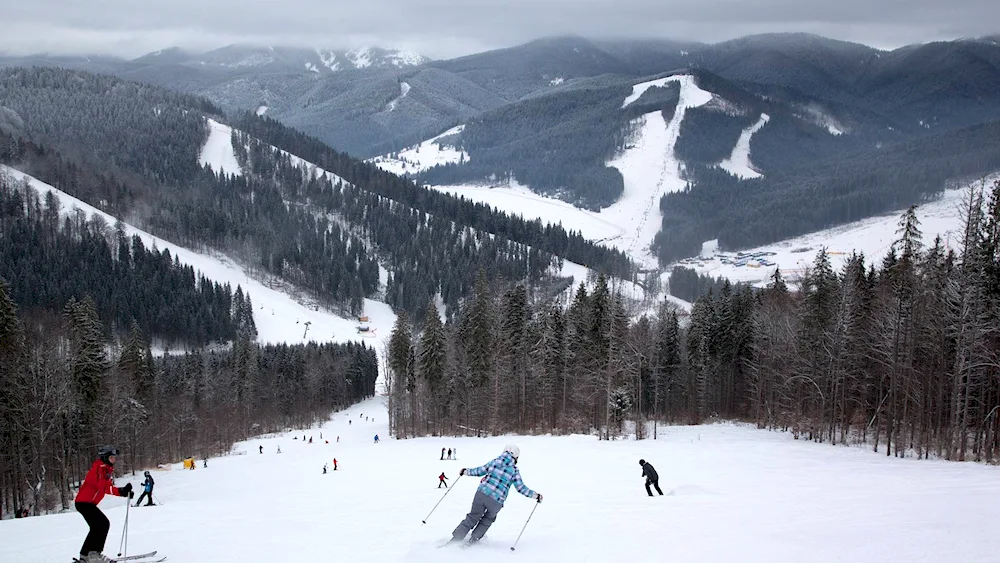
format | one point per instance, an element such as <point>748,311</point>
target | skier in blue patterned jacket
<point>499,474</point>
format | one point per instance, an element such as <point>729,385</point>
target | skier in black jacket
<point>147,490</point>
<point>651,477</point>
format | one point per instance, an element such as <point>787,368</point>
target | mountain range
<point>848,125</point>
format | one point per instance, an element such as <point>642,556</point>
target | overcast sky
<point>448,28</point>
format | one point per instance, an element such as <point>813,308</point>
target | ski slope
<point>425,155</point>
<point>650,170</point>
<point>732,493</point>
<point>218,150</point>
<point>873,237</point>
<point>738,163</point>
<point>279,316</point>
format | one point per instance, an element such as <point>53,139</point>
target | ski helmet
<point>105,452</point>
<point>642,462</point>
<point>145,474</point>
<point>513,450</point>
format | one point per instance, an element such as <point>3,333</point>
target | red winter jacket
<point>98,482</point>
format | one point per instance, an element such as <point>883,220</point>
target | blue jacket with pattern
<point>500,474</point>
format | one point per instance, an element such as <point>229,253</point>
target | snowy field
<point>218,150</point>
<point>279,317</point>
<point>873,237</point>
<point>732,493</point>
<point>423,156</point>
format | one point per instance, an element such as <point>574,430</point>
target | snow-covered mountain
<point>243,57</point>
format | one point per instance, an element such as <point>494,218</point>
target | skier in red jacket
<point>98,482</point>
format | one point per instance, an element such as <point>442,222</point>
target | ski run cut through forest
<point>731,493</point>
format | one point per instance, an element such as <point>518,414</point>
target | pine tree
<point>432,359</point>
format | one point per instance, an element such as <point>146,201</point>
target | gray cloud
<point>447,28</point>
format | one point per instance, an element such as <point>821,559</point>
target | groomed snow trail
<point>738,163</point>
<point>650,169</point>
<point>732,493</point>
<point>218,150</point>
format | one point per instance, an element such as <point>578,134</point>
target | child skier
<point>500,474</point>
<point>98,482</point>
<point>441,480</point>
<point>147,490</point>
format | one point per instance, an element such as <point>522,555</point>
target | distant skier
<point>442,454</point>
<point>261,449</point>
<point>204,463</point>
<point>279,449</point>
<point>324,469</point>
<point>349,422</point>
<point>310,439</point>
<point>651,477</point>
<point>500,474</point>
<point>449,453</point>
<point>338,439</point>
<point>441,480</point>
<point>98,482</point>
<point>376,438</point>
<point>334,464</point>
<point>147,490</point>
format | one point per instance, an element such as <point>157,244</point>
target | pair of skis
<point>140,558</point>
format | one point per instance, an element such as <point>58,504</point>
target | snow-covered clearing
<point>732,493</point>
<point>279,317</point>
<point>650,169</point>
<point>261,110</point>
<point>738,163</point>
<point>423,156</point>
<point>873,237</point>
<point>639,89</point>
<point>218,150</point>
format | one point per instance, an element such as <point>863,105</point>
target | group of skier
<point>498,476</point>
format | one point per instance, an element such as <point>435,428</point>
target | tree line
<point>68,387</point>
<point>903,355</point>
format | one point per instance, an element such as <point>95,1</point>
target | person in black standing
<point>651,477</point>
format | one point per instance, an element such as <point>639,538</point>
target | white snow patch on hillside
<point>873,237</point>
<point>650,169</point>
<point>361,58</point>
<point>261,110</point>
<point>312,67</point>
<point>738,163</point>
<point>820,117</point>
<point>556,81</point>
<point>423,156</point>
<point>329,59</point>
<point>218,150</point>
<point>639,89</point>
<point>404,89</point>
<point>732,493</point>
<point>278,316</point>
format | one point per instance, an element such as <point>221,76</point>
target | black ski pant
<point>655,484</point>
<point>99,526</point>
<point>443,483</point>
<point>148,495</point>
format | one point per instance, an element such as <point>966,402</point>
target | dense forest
<point>557,144</point>
<point>81,304</point>
<point>266,219</point>
<point>903,355</point>
<point>796,200</point>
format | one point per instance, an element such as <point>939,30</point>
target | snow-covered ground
<point>732,493</point>
<point>279,317</point>
<point>650,170</point>
<point>738,163</point>
<point>218,150</point>
<point>873,237</point>
<point>423,156</point>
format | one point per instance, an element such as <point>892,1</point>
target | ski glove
<point>538,496</point>
<point>126,491</point>
<point>461,472</point>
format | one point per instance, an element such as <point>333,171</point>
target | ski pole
<point>442,498</point>
<point>123,545</point>
<point>525,525</point>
